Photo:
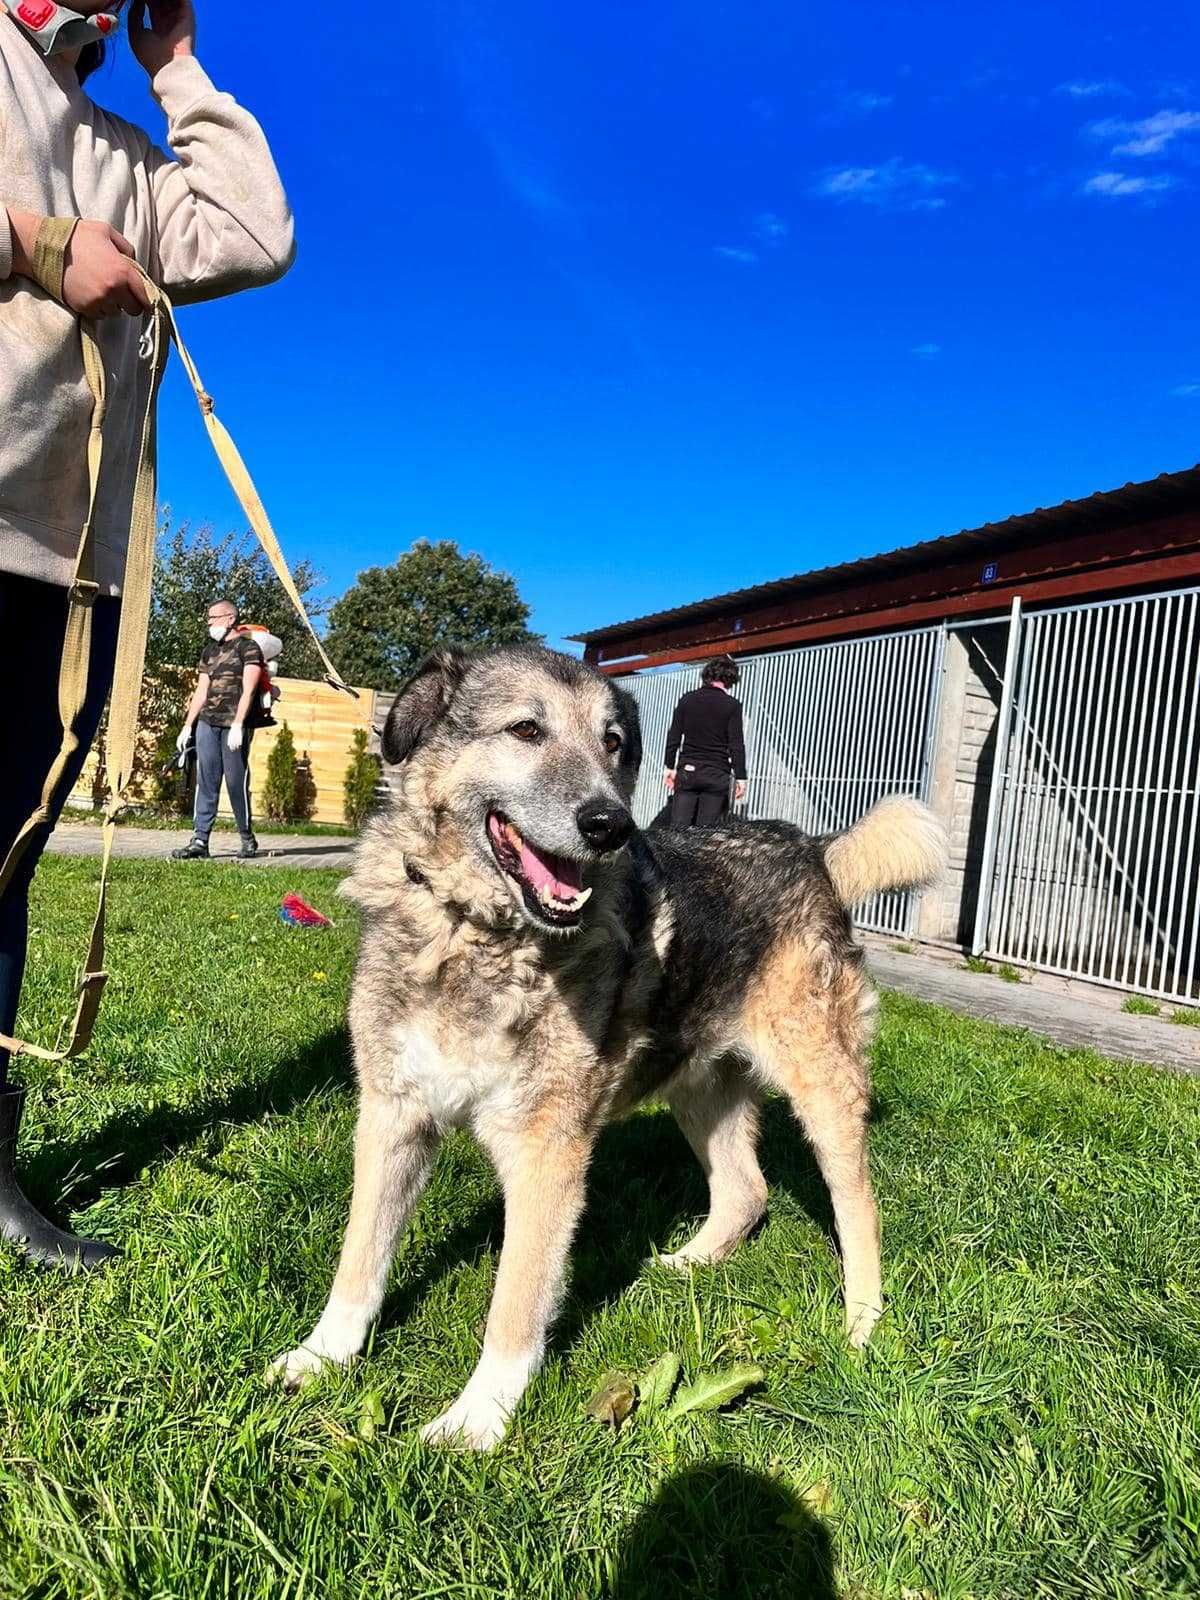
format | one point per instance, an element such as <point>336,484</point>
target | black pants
<point>33,618</point>
<point>701,798</point>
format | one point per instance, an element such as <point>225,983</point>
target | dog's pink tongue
<point>563,877</point>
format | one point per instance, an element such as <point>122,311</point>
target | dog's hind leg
<point>543,1170</point>
<point>394,1146</point>
<point>807,1026</point>
<point>717,1108</point>
<point>838,1133</point>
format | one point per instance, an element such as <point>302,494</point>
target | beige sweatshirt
<point>213,220</point>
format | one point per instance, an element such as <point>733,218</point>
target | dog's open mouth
<point>551,885</point>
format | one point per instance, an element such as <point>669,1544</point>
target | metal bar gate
<point>830,729</point>
<point>1094,837</point>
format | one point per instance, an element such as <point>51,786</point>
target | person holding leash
<point>209,220</point>
<point>705,745</point>
<point>220,716</point>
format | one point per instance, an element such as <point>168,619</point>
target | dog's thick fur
<point>706,967</point>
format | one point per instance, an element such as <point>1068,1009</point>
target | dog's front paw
<point>469,1424</point>
<point>860,1324</point>
<point>296,1369</point>
<point>681,1260</point>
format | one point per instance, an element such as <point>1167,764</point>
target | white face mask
<point>53,28</point>
<point>216,633</point>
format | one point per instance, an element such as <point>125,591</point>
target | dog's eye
<point>527,730</point>
<point>612,743</point>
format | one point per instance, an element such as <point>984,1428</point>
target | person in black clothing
<point>708,726</point>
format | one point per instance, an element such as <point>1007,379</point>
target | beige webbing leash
<point>49,265</point>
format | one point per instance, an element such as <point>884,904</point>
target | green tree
<point>279,797</point>
<point>361,782</point>
<point>392,617</point>
<point>194,567</point>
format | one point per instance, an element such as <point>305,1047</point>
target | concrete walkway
<point>1079,1015</point>
<point>155,844</point>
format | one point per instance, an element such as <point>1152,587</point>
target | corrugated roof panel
<point>1158,496</point>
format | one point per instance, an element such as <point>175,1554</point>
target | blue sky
<point>645,303</point>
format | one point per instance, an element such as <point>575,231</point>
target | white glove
<point>234,741</point>
<point>185,738</point>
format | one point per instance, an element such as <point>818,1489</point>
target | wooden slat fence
<point>322,721</point>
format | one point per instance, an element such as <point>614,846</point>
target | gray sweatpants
<point>214,761</point>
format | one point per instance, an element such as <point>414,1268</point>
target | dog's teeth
<point>581,899</point>
<point>545,896</point>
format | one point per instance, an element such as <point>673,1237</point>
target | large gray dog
<point>532,966</point>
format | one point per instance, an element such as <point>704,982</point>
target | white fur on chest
<point>457,1086</point>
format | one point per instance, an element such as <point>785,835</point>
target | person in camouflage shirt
<point>221,716</point>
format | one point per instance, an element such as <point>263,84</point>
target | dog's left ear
<point>631,721</point>
<point>421,703</point>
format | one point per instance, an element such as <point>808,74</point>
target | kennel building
<point>1036,681</point>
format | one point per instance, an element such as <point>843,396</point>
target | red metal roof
<point>1169,493</point>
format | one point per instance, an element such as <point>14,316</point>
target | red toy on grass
<point>297,914</point>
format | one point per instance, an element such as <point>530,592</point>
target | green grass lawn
<point>1025,1423</point>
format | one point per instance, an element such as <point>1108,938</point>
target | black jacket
<point>708,724</point>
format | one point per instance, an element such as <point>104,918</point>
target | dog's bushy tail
<point>899,844</point>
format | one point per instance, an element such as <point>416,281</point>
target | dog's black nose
<point>604,824</point>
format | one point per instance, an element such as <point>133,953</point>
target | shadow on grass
<point>269,853</point>
<point>644,1183</point>
<point>480,1233</point>
<point>81,1170</point>
<point>726,1533</point>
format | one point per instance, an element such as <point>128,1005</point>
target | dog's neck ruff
<point>457,912</point>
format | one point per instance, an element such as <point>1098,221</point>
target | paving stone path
<point>154,844</point>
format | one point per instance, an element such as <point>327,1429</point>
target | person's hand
<point>185,738</point>
<point>669,779</point>
<point>739,791</point>
<point>234,740</point>
<point>170,31</point>
<point>101,279</point>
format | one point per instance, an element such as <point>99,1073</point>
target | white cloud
<point>840,104</point>
<point>850,180</point>
<point>1148,137</point>
<point>1186,391</point>
<point>770,227</point>
<point>1120,183</point>
<point>896,185</point>
<point>861,102</point>
<point>1092,89</point>
<point>745,257</point>
<point>926,351</point>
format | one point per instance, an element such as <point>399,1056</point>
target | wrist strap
<point>50,253</point>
